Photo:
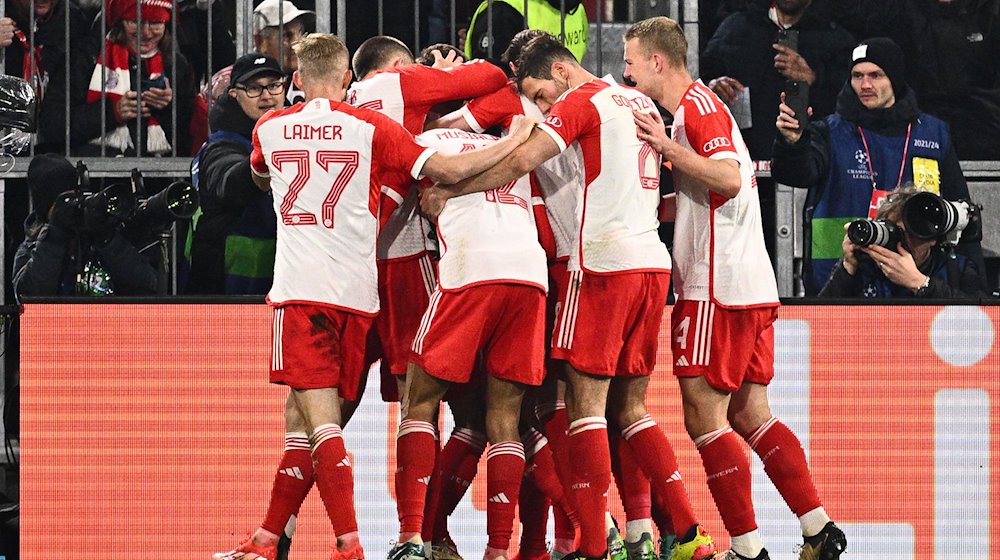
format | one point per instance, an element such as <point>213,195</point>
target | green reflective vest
<point>541,15</point>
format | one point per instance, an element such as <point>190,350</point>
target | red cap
<point>152,10</point>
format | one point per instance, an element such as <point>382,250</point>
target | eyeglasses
<point>153,25</point>
<point>255,90</point>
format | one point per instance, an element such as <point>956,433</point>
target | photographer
<point>912,266</point>
<point>65,253</point>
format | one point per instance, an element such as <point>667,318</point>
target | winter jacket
<point>742,49</point>
<point>831,161</point>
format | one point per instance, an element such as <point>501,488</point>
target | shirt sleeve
<point>394,149</point>
<point>711,133</point>
<point>568,119</point>
<point>430,86</point>
<point>497,108</point>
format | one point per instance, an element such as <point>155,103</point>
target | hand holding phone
<point>797,99</point>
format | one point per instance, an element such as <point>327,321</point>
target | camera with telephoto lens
<point>868,232</point>
<point>928,216</point>
<point>122,205</point>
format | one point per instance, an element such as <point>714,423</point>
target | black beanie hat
<point>49,175</point>
<point>887,55</point>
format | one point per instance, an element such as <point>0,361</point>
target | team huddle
<point>538,322</point>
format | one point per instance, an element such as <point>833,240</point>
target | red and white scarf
<point>117,80</point>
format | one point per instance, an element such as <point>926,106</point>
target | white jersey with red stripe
<point>406,94</point>
<point>325,159</point>
<point>617,212</point>
<point>719,252</point>
<point>486,237</point>
<point>560,179</point>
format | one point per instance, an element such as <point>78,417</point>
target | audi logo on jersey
<point>554,121</point>
<point>716,143</point>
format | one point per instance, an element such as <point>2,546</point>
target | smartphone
<point>797,98</point>
<point>158,82</point>
<point>789,38</point>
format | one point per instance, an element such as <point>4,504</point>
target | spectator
<point>192,30</point>
<point>273,36</point>
<point>913,268</point>
<point>743,58</point>
<point>48,71</point>
<point>138,101</point>
<point>66,252</point>
<point>951,51</point>
<point>508,18</point>
<point>876,140</point>
<point>232,250</point>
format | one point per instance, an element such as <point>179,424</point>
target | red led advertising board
<point>149,430</point>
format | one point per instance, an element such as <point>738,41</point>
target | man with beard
<point>877,140</point>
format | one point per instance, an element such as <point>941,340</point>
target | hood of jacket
<point>892,120</point>
<point>226,114</point>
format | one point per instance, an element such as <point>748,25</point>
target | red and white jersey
<point>406,94</point>
<point>719,251</point>
<point>325,159</point>
<point>560,179</point>
<point>487,237</point>
<point>618,214</point>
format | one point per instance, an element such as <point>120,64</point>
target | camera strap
<point>902,165</point>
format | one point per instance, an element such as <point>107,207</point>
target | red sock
<point>541,469</point>
<point>533,511</point>
<point>633,486</point>
<point>291,483</point>
<point>457,467</point>
<point>656,458</point>
<point>334,477</point>
<point>729,479</point>
<point>785,464</point>
<point>504,469</point>
<point>556,425</point>
<point>588,441</point>
<point>414,465</point>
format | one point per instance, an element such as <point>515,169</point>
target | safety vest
<point>541,15</point>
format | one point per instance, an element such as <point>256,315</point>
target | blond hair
<point>321,57</point>
<point>660,35</point>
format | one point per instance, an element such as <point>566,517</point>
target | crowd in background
<point>147,87</point>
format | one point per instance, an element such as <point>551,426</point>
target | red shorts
<point>404,288</point>
<point>503,321</point>
<point>725,346</point>
<point>609,324</point>
<point>315,347</point>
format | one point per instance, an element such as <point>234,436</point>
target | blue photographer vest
<point>847,193</point>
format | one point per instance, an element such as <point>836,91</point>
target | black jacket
<point>46,263</point>
<point>227,189</point>
<point>50,35</point>
<point>741,49</point>
<point>951,277</point>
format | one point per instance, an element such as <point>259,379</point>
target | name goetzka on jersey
<point>487,237</point>
<point>617,210</point>
<point>324,159</point>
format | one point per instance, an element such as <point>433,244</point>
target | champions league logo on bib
<point>861,171</point>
